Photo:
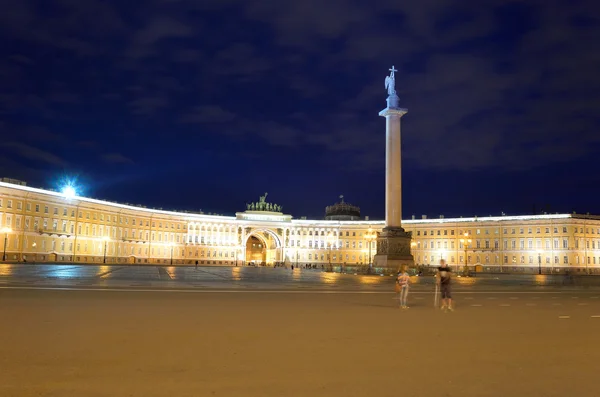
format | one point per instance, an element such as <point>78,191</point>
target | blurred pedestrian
<point>444,281</point>
<point>403,281</point>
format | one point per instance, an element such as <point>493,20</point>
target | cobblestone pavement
<point>128,276</point>
<point>115,341</point>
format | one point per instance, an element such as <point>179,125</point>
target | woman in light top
<point>403,281</point>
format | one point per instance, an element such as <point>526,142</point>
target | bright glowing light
<point>69,192</point>
<point>370,235</point>
<point>6,230</point>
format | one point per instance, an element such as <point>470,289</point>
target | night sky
<point>208,104</point>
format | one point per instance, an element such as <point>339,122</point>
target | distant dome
<point>342,211</point>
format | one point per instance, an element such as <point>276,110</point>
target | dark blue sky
<point>186,104</point>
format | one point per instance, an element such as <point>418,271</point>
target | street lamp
<point>370,236</point>
<point>297,255</point>
<point>540,262</point>
<point>442,252</point>
<point>172,246</point>
<point>330,243</point>
<point>466,242</point>
<point>69,192</point>
<point>105,238</point>
<point>5,230</point>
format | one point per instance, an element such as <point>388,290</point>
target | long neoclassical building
<point>46,226</point>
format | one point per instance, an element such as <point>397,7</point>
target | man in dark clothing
<point>444,279</point>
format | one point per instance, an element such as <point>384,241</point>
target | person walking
<point>444,281</point>
<point>403,281</point>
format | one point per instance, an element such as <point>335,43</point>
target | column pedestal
<point>393,250</point>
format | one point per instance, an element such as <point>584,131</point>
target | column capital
<point>393,112</point>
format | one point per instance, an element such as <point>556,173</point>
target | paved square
<point>295,343</point>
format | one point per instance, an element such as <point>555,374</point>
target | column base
<point>393,250</point>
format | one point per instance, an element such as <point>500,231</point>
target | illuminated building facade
<point>46,226</point>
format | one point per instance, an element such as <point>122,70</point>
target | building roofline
<point>489,219</point>
<point>302,222</point>
<point>118,205</point>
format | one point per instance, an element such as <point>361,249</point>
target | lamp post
<point>172,246</point>
<point>413,244</point>
<point>539,262</point>
<point>329,243</point>
<point>5,230</point>
<point>466,242</point>
<point>297,255</point>
<point>105,238</point>
<point>370,236</point>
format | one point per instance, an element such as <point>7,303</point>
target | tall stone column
<point>393,243</point>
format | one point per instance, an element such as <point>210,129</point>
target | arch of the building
<point>276,253</point>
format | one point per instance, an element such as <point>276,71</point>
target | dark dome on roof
<point>342,211</point>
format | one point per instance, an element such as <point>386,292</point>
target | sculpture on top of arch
<point>263,206</point>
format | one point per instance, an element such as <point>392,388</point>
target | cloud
<point>32,153</point>
<point>116,158</point>
<point>208,114</point>
<point>75,28</point>
<point>88,144</point>
<point>144,40</point>
<point>465,111</point>
<point>147,105</point>
<point>224,122</point>
<point>241,59</point>
<point>485,83</point>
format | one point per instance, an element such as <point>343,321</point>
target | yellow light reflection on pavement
<point>236,273</point>
<point>6,270</point>
<point>330,278</point>
<point>102,270</point>
<point>465,280</point>
<point>371,280</point>
<point>296,274</point>
<point>540,279</point>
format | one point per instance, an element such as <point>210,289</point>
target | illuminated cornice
<point>74,201</point>
<point>249,216</point>
<point>504,218</point>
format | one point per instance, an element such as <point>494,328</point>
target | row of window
<point>336,244</point>
<point>486,244</point>
<point>531,259</point>
<point>118,249</point>
<point>65,212</point>
<point>334,233</point>
<point>512,231</point>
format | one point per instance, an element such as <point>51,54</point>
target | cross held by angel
<point>390,82</point>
